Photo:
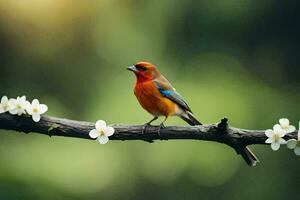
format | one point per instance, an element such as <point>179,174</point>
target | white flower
<point>295,144</point>
<point>285,125</point>
<point>35,109</point>
<point>4,105</point>
<point>18,105</point>
<point>275,137</point>
<point>102,132</point>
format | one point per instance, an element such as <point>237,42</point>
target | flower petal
<point>13,111</point>
<point>43,108</point>
<point>23,98</point>
<point>269,133</point>
<point>270,140</point>
<point>291,129</point>
<point>100,125</point>
<point>4,99</point>
<point>291,144</point>
<point>35,103</point>
<point>103,139</point>
<point>275,146</point>
<point>2,110</point>
<point>29,110</point>
<point>297,150</point>
<point>94,133</point>
<point>284,122</point>
<point>12,102</point>
<point>36,117</point>
<point>277,127</point>
<point>280,132</point>
<point>27,104</point>
<point>109,131</point>
<point>299,132</point>
<point>20,112</point>
<point>282,141</point>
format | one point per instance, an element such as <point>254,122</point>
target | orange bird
<point>157,96</point>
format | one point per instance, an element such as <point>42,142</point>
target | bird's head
<point>144,71</point>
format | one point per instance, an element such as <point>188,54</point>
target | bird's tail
<point>249,157</point>
<point>190,119</point>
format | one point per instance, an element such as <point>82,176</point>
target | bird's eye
<point>141,68</point>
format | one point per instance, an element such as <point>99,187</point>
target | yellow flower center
<point>276,137</point>
<point>35,110</point>
<point>102,133</point>
<point>19,106</point>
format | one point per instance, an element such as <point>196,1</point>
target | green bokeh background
<point>231,58</point>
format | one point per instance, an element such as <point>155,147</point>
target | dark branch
<point>234,137</point>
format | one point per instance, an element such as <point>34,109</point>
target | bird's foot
<point>145,127</point>
<point>148,124</point>
<point>161,126</point>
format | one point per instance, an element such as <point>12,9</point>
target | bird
<point>157,96</point>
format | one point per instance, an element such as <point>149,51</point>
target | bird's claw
<point>148,124</point>
<point>145,127</point>
<point>161,126</point>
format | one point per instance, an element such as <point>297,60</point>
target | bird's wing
<point>167,90</point>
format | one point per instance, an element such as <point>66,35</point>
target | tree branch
<point>234,137</point>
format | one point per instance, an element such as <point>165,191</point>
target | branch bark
<point>52,126</point>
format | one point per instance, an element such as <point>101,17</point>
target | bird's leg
<point>161,126</point>
<point>148,124</point>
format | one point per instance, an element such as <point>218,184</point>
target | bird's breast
<point>153,101</point>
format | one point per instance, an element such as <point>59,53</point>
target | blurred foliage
<point>227,58</point>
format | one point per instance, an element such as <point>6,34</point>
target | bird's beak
<point>132,68</point>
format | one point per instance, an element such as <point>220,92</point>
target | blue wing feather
<point>172,95</point>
